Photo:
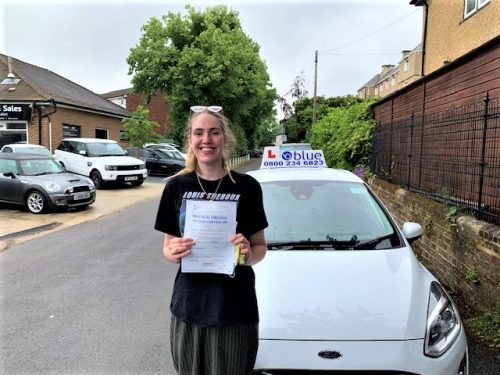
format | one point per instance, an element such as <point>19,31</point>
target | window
<point>71,131</point>
<point>471,6</point>
<point>101,133</point>
<point>393,81</point>
<point>406,65</point>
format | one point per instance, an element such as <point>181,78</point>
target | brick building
<point>394,77</point>
<point>40,107</point>
<point>159,108</point>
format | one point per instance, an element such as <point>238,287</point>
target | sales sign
<point>12,111</point>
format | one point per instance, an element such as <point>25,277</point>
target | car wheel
<point>36,202</point>
<point>96,178</point>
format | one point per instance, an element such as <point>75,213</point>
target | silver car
<point>41,184</point>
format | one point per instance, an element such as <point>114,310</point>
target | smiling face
<point>206,139</point>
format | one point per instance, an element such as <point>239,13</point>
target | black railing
<point>451,156</point>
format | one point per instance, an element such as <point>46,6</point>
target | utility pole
<point>315,86</point>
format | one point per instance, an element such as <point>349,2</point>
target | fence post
<point>483,151</point>
<point>409,150</point>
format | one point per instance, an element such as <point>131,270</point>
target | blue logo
<point>286,155</point>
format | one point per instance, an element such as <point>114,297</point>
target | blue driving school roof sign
<point>274,157</point>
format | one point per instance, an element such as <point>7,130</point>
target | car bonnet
<point>342,295</point>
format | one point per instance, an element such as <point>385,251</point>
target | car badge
<point>329,354</point>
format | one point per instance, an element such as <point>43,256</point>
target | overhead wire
<point>370,34</point>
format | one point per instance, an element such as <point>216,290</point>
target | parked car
<point>41,184</point>
<point>166,146</point>
<point>162,162</point>
<point>103,160</point>
<point>340,289</point>
<point>256,153</point>
<point>26,149</point>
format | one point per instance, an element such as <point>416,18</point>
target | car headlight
<point>110,167</point>
<point>443,322</point>
<point>52,187</point>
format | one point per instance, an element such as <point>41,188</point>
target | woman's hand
<point>254,249</point>
<point>175,248</point>
<point>245,247</point>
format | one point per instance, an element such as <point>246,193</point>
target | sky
<point>88,42</point>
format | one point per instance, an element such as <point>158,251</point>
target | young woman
<point>214,325</point>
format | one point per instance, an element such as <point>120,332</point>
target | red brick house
<point>159,108</point>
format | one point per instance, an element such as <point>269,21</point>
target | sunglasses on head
<point>201,108</point>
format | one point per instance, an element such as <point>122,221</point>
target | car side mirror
<point>412,231</point>
<point>82,152</point>
<point>9,174</point>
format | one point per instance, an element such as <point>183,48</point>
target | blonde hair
<point>227,135</point>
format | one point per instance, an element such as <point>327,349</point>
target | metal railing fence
<point>451,156</point>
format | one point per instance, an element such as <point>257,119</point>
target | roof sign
<point>273,157</point>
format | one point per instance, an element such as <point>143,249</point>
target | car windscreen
<point>171,154</point>
<point>105,149</point>
<point>38,167</point>
<point>328,213</point>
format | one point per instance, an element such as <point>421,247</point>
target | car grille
<point>128,167</point>
<point>77,189</point>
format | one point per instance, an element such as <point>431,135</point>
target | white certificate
<point>210,224</point>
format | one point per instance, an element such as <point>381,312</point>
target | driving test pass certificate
<point>210,224</point>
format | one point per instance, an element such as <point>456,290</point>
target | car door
<point>11,188</point>
<point>81,161</point>
<point>152,160</point>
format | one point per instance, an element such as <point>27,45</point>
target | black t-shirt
<point>208,299</point>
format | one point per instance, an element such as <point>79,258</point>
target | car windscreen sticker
<point>273,157</point>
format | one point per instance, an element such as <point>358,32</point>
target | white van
<point>102,160</point>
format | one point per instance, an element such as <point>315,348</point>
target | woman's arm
<point>175,248</point>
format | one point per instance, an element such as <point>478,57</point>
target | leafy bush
<point>344,134</point>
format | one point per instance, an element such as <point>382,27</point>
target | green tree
<point>344,135</point>
<point>300,122</point>
<point>204,58</point>
<point>139,129</point>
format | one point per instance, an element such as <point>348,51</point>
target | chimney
<point>385,69</point>
<point>405,53</point>
<point>9,64</point>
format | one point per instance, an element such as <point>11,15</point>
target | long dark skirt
<point>226,350</point>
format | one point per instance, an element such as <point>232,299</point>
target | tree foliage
<point>299,124</point>
<point>139,129</point>
<point>344,135</point>
<point>204,58</point>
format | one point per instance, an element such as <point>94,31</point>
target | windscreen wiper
<point>313,245</point>
<point>370,245</point>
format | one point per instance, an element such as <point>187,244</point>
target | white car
<point>26,148</point>
<point>340,288</point>
<point>102,160</point>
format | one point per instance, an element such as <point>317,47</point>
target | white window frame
<point>478,4</point>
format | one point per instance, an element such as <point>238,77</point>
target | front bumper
<point>71,200</point>
<point>125,176</point>
<point>365,357</point>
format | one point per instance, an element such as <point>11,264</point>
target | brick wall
<point>159,109</point>
<point>88,122</point>
<point>452,255</point>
